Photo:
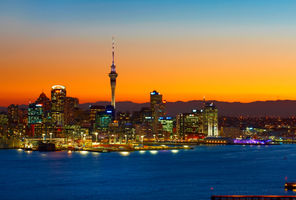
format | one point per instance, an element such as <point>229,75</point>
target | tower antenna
<point>113,41</point>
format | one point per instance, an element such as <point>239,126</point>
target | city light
<point>175,151</point>
<point>196,99</point>
<point>124,153</point>
<point>153,152</point>
<point>83,152</point>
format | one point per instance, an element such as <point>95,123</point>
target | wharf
<point>252,197</point>
<point>105,150</point>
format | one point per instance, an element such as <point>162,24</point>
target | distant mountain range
<point>281,108</point>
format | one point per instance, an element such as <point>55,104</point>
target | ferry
<point>291,186</point>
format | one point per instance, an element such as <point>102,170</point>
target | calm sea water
<point>186,174</point>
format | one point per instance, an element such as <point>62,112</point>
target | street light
<point>142,138</point>
<point>43,135</point>
<point>96,133</point>
<point>50,136</point>
<point>125,139</point>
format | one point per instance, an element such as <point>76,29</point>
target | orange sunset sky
<point>235,52</point>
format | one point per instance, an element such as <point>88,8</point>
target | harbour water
<point>173,174</point>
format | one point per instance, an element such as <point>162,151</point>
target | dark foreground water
<point>186,174</point>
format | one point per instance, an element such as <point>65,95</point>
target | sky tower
<point>113,75</point>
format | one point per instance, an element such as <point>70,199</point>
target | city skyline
<point>148,99</point>
<point>216,50</point>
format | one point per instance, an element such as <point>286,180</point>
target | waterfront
<point>182,174</point>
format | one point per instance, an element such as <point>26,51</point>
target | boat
<point>291,186</point>
<point>44,146</point>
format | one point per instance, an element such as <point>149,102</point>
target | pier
<point>252,197</point>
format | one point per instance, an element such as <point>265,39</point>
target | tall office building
<point>94,109</point>
<point>104,119</point>
<point>35,114</point>
<point>157,109</point>
<point>189,124</point>
<point>210,120</point>
<point>35,119</point>
<point>71,110</point>
<point>167,126</point>
<point>113,75</point>
<point>45,102</point>
<point>58,96</point>
<point>13,114</point>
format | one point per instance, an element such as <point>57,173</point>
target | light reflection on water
<point>187,174</point>
<point>153,152</point>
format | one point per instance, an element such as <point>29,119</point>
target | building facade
<point>210,120</point>
<point>58,97</point>
<point>157,109</point>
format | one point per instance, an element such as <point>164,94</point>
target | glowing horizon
<point>230,51</point>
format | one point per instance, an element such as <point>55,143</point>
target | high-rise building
<point>45,102</point>
<point>3,124</point>
<point>35,114</point>
<point>94,109</point>
<point>113,75</point>
<point>35,119</point>
<point>110,111</point>
<point>58,96</point>
<point>103,120</point>
<point>189,124</point>
<point>167,126</point>
<point>210,120</point>
<point>125,125</point>
<point>13,114</point>
<point>157,109</point>
<point>70,111</point>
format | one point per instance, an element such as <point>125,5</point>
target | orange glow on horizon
<point>234,70</point>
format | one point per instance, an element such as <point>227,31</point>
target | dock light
<point>175,151</point>
<point>69,152</point>
<point>186,146</point>
<point>83,152</point>
<point>153,152</point>
<point>124,153</point>
<point>96,133</point>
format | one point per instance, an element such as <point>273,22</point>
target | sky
<point>226,50</point>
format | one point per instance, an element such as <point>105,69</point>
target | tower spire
<point>113,51</point>
<point>113,75</point>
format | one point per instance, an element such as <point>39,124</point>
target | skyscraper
<point>157,109</point>
<point>210,120</point>
<point>58,96</point>
<point>35,119</point>
<point>13,114</point>
<point>113,75</point>
<point>94,109</point>
<point>45,102</point>
<point>35,114</point>
<point>189,124</point>
<point>70,110</point>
